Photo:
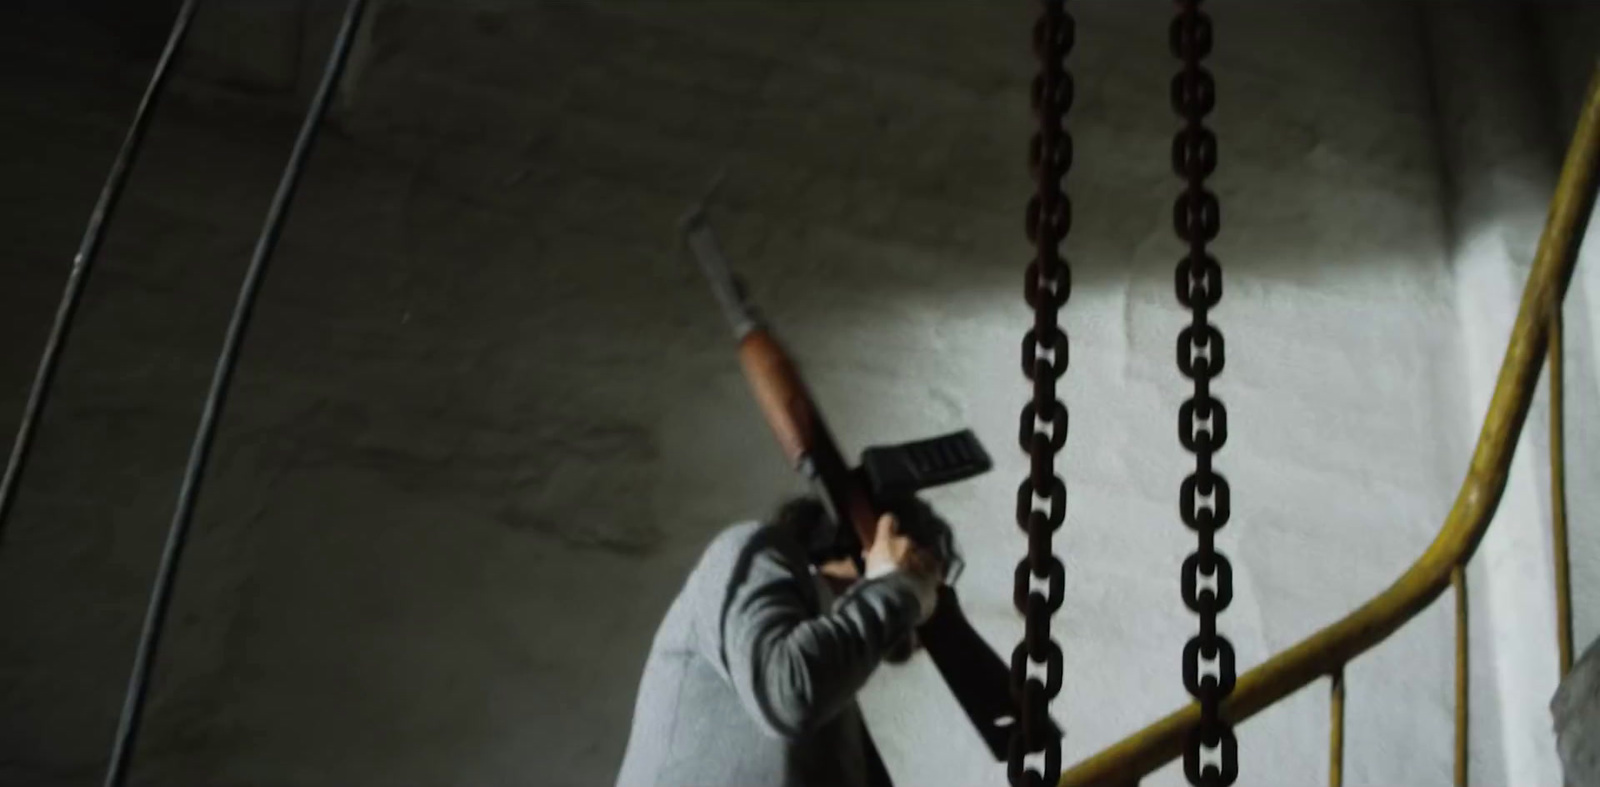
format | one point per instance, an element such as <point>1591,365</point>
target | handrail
<point>1326,651</point>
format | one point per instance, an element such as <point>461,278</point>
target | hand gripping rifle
<point>856,496</point>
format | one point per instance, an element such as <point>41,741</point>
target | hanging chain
<point>1042,498</point>
<point>1202,420</point>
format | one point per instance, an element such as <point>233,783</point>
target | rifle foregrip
<point>786,404</point>
<point>778,390</point>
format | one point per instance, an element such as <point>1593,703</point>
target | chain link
<point>1210,756</point>
<point>1040,586</point>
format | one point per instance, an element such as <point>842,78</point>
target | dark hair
<point>808,517</point>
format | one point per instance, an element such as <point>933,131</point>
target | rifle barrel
<point>725,286</point>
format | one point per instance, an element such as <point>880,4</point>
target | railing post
<point>1336,734</point>
<point>1458,581</point>
<point>1558,494</point>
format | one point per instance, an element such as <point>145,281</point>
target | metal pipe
<point>1558,495</point>
<point>83,262</point>
<point>1161,742</point>
<point>189,490</point>
<point>1336,734</point>
<point>1458,581</point>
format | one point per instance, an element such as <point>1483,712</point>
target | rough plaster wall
<point>1497,144</point>
<point>487,416</point>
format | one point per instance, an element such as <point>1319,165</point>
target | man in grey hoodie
<point>1577,714</point>
<point>752,677</point>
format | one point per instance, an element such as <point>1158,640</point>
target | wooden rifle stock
<point>805,439</point>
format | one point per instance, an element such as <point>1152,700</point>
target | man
<point>752,677</point>
<point>1576,708</point>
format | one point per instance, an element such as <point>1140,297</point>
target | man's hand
<point>893,551</point>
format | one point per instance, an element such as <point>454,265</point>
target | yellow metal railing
<point>1336,738</point>
<point>1558,497</point>
<point>1458,583</point>
<point>1325,653</point>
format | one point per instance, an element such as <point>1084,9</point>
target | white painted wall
<point>488,417</point>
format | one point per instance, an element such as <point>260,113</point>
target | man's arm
<point>793,669</point>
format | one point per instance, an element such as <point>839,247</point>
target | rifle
<point>856,496</point>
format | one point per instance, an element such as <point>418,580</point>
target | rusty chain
<point>1042,497</point>
<point>1202,419</point>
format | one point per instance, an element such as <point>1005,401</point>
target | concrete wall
<point>1498,145</point>
<point>487,415</point>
